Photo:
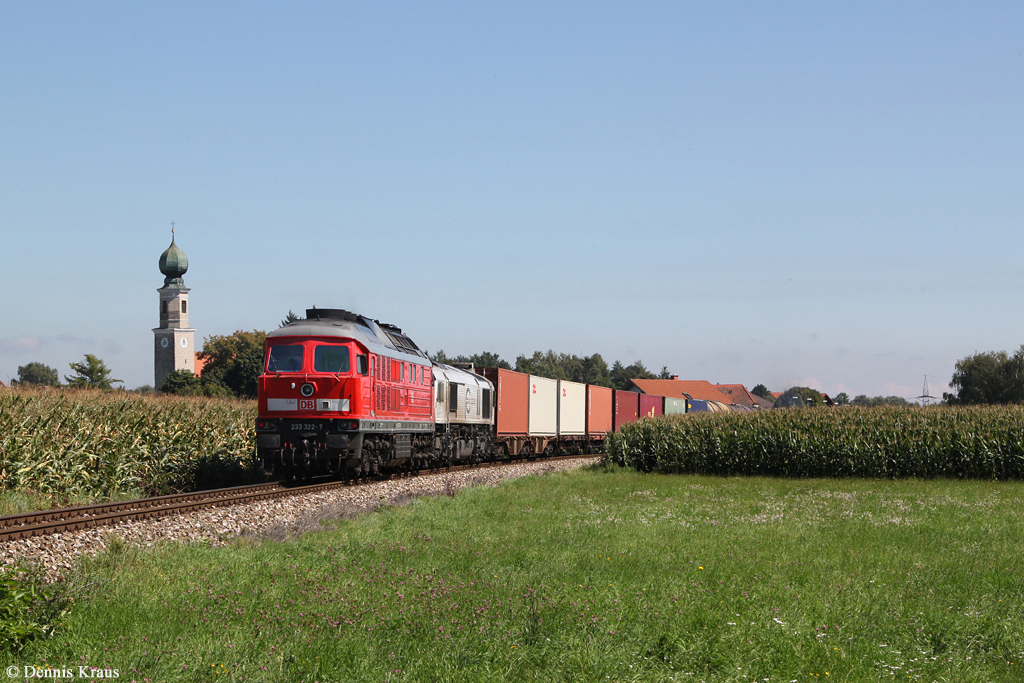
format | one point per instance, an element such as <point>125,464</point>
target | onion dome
<point>173,264</point>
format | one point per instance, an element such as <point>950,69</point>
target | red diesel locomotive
<point>346,395</point>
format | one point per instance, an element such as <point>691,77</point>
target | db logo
<point>307,404</point>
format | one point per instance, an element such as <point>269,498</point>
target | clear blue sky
<point>810,193</point>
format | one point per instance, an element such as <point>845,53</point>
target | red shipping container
<point>627,408</point>
<point>599,410</point>
<point>651,405</point>
<point>512,415</point>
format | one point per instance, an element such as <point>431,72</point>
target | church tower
<point>174,340</point>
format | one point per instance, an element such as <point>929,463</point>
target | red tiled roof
<point>737,393</point>
<point>699,389</point>
<point>763,402</point>
<point>200,363</point>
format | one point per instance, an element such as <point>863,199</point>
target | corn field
<point>984,442</point>
<point>77,444</point>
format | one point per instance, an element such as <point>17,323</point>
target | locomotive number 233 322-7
<point>305,427</point>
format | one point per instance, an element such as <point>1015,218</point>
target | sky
<point>804,193</point>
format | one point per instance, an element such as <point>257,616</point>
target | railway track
<point>27,525</point>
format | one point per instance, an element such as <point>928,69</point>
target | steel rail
<point>27,525</point>
<point>139,503</point>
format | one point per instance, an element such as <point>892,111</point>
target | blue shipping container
<point>695,406</point>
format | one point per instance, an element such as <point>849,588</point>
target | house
<point>738,394</point>
<point>200,363</point>
<point>699,389</point>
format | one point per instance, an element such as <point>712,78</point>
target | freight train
<point>347,395</point>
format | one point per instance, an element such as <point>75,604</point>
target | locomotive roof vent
<point>401,342</point>
<point>330,314</point>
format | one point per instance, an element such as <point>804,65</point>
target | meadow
<point>596,575</point>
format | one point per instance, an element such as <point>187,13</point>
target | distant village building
<point>735,396</point>
<point>737,393</point>
<point>174,340</point>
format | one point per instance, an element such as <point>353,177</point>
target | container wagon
<point>600,413</point>
<point>627,408</point>
<point>696,406</point>
<point>675,406</point>
<point>543,414</point>
<point>651,406</point>
<point>572,417</point>
<point>512,409</point>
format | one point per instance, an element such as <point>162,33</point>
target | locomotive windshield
<point>285,358</point>
<point>331,359</point>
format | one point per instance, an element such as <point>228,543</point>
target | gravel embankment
<point>276,519</point>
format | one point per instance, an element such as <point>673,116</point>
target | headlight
<point>267,425</point>
<point>307,389</point>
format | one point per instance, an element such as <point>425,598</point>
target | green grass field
<point>585,576</point>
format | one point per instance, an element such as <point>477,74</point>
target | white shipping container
<point>572,408</point>
<point>543,406</point>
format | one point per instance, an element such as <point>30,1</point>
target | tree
<point>91,373</point>
<point>990,377</point>
<point>762,391</point>
<point>799,397</point>
<point>664,374</point>
<point>865,401</point>
<point>38,374</point>
<point>479,360</point>
<point>842,399</point>
<point>542,365</point>
<point>182,382</point>
<point>233,361</point>
<point>290,318</point>
<point>583,369</point>
<point>490,360</point>
<point>593,370</point>
<point>622,376</point>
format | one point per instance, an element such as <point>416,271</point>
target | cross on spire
<point>172,227</point>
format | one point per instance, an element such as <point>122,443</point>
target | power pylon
<point>925,394</point>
